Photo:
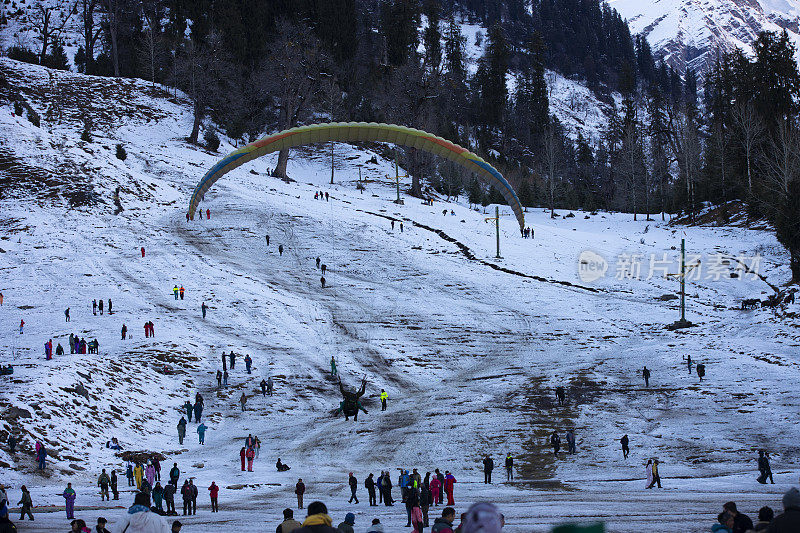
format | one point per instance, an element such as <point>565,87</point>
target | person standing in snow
<point>109,306</point>
<point>243,401</point>
<point>570,441</point>
<point>322,281</point>
<point>198,411</point>
<point>488,466</point>
<point>71,343</point>
<point>509,467</point>
<point>213,491</point>
<point>100,305</point>
<point>299,490</point>
<point>560,395</point>
<point>289,524</point>
<point>124,331</point>
<point>129,474</point>
<point>138,474</point>
<point>208,214</point>
<point>267,236</point>
<point>219,379</point>
<point>270,385</point>
<point>181,430</point>
<point>142,251</point>
<point>436,486</point>
<point>369,484</point>
<point>250,455</point>
<point>94,307</point>
<point>201,433</point>
<point>203,309</point>
<point>449,481</point>
<point>384,399</point>
<point>243,456</point>
<point>181,290</point>
<point>41,454</point>
<point>158,497</point>
<point>174,475</point>
<point>555,442</point>
<point>225,378</point>
<point>624,441</point>
<point>248,363</point>
<point>764,468</point>
<point>232,357</point>
<point>150,472</point>
<point>280,249</point>
<point>113,483</point>
<point>175,291</point>
<point>333,367</point>
<point>646,376</point>
<point>66,314</point>
<point>69,497</point>
<point>318,260</point>
<point>169,498</point>
<point>263,388</point>
<point>103,481</point>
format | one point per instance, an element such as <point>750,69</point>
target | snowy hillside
<point>689,32</point>
<point>470,348</point>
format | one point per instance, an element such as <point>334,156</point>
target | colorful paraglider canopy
<point>355,132</point>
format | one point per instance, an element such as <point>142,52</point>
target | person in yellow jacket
<point>175,291</point>
<point>138,474</point>
<point>384,397</point>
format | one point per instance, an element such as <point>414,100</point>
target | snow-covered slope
<point>689,32</point>
<point>469,347</point>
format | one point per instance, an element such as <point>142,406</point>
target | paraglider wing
<point>354,132</point>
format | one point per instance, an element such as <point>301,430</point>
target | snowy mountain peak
<point>688,32</point>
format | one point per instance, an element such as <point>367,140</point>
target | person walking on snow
<point>100,305</point>
<point>181,430</point>
<point>94,307</point>
<point>219,379</point>
<point>124,331</point>
<point>560,395</point>
<point>232,357</point>
<point>213,491</point>
<point>129,474</point>
<point>625,450</point>
<point>646,376</point>
<point>248,363</point>
<point>270,385</point>
<point>113,483</point>
<point>267,236</point>
<point>764,468</point>
<point>69,497</point>
<point>66,314</point>
<point>654,477</point>
<point>198,411</point>
<point>182,291</point>
<point>208,214</point>
<point>243,400</point>
<point>175,291</point>
<point>21,326</point>
<point>250,454</point>
<point>384,399</point>
<point>203,309</point>
<point>103,481</point>
<point>109,306</point>
<point>201,433</point>
<point>353,482</point>
<point>333,367</point>
<point>225,378</point>
<point>263,388</point>
<point>150,473</point>
<point>138,474</point>
<point>174,475</point>
<point>187,406</point>
<point>26,504</point>
<point>242,456</point>
<point>142,251</point>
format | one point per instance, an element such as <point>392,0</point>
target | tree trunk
<point>198,116</point>
<point>45,35</point>
<point>283,159</point>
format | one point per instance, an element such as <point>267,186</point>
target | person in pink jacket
<point>435,486</point>
<point>150,473</point>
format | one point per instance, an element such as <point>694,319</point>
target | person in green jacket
<point>181,430</point>
<point>347,525</point>
<point>27,504</point>
<point>201,432</point>
<point>188,407</point>
<point>103,481</point>
<point>158,496</point>
<point>333,367</point>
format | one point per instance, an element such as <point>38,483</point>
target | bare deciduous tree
<point>551,156</point>
<point>48,20</point>
<point>751,128</point>
<point>91,31</point>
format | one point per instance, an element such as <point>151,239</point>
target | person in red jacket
<point>242,454</point>
<point>213,490</point>
<point>142,251</point>
<point>21,325</point>
<point>208,214</point>
<point>449,480</point>
<point>250,454</point>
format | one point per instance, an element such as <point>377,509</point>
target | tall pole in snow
<point>397,176</point>
<point>683,281</point>
<point>497,227</point>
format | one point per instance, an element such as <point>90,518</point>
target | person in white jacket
<point>140,519</point>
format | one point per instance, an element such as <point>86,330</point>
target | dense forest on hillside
<point>254,66</point>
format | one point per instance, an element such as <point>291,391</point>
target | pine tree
<point>432,37</point>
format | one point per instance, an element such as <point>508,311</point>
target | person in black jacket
<point>488,466</point>
<point>741,522</point>
<point>625,449</point>
<point>789,520</point>
<point>369,484</point>
<point>317,520</point>
<point>764,468</point>
<point>353,486</point>
<point>646,376</point>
